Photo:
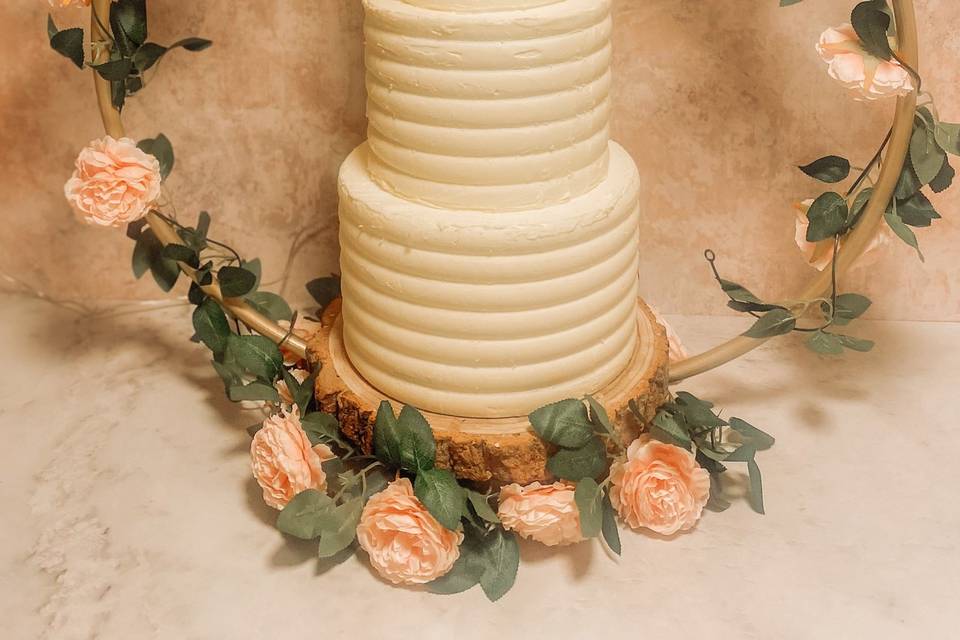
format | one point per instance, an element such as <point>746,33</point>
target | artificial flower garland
<point>417,523</point>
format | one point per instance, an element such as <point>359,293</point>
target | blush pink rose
<point>299,375</point>
<point>870,77</point>
<point>659,487</point>
<point>545,513</point>
<point>114,182</point>
<point>304,329</point>
<point>819,254</point>
<point>405,543</point>
<point>284,463</point>
<point>677,351</point>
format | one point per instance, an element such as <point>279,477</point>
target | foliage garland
<point>586,445</point>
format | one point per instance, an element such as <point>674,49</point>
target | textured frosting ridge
<point>488,226</point>
<point>491,105</point>
<point>489,314</point>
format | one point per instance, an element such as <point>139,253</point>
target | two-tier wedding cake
<point>489,228</point>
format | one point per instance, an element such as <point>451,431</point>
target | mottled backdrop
<point>716,101</point>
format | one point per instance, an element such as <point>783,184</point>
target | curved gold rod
<point>869,223</point>
<point>854,246</point>
<point>165,232</point>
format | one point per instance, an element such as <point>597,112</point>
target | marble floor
<point>129,511</point>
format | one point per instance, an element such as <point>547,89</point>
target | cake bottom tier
<point>488,314</point>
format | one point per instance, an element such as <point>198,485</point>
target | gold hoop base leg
<point>488,450</point>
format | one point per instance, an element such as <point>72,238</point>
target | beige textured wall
<point>716,101</point>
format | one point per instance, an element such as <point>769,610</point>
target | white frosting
<point>492,105</point>
<point>485,314</point>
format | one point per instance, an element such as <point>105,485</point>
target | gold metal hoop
<point>867,227</point>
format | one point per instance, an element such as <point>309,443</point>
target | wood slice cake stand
<point>489,450</point>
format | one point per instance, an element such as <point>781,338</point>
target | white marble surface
<point>129,511</point>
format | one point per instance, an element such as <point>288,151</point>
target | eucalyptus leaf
<point>256,391</point>
<point>442,496</point>
<point>756,487</point>
<point>257,355</point>
<point>824,343</point>
<point>609,528</point>
<point>589,498</point>
<point>321,428</point>
<point>856,344</point>
<point>305,515</point>
<point>588,461</point>
<point>481,507</point>
<point>716,502</point>
<point>759,440</point>
<point>212,326</point>
<point>859,204</point>
<point>564,423</point>
<point>774,323</point>
<point>850,306</point>
<point>828,169</point>
<point>236,282</point>
<point>667,428</point>
<point>340,534</point>
<point>256,268</point>
<point>698,412</point>
<point>192,44</point>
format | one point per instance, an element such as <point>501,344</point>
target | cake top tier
<point>479,5</point>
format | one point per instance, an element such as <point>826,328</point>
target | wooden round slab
<point>495,450</point>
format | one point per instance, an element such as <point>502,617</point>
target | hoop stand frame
<point>858,239</point>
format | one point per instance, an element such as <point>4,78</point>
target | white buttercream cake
<point>489,228</point>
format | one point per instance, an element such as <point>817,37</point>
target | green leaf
<point>828,169</point>
<point>301,393</point>
<point>195,294</point>
<point>321,428</point>
<point>229,374</point>
<point>774,323</point>
<point>948,137</point>
<point>114,70</point>
<point>305,515</point>
<point>481,507</point>
<point>697,412</point>
<point>787,3</point>
<point>828,216</point>
<point>756,487</point>
<point>599,417</point>
<point>270,305</point>
<point>236,282</point>
<point>337,535</point>
<point>386,436</point>
<point>716,502</point>
<point>908,182</point>
<point>144,251</point>
<point>51,27</point>
<point>859,204</point>
<point>256,268</point>
<point>944,179</point>
<point>667,428</point>
<point>147,55</point>
<point>588,461</point>
<point>759,440</point>
<point>850,306</point>
<point>589,498</point>
<point>257,355</point>
<point>256,391</point>
<point>467,570</point>
<point>871,24</point>
<point>181,253</point>
<point>418,448</point>
<point>917,211</point>
<point>611,533</point>
<point>501,561</point>
<point>129,17</point>
<point>856,344</point>
<point>926,155</point>
<point>192,44</point>
<point>564,423</point>
<point>324,290</point>
<point>902,230</point>
<point>742,299</point>
<point>211,325</point>
<point>161,149</point>
<point>442,496</point>
<point>824,343</point>
<point>68,43</point>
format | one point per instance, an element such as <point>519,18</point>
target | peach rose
<point>114,183</point>
<point>819,254</point>
<point>304,329</point>
<point>659,486</point>
<point>299,375</point>
<point>869,76</point>
<point>283,461</point>
<point>545,513</point>
<point>67,3</point>
<point>405,543</point>
<point>677,351</point>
